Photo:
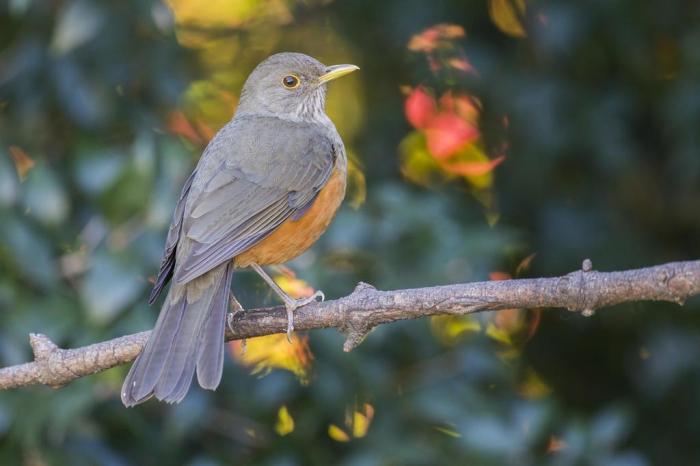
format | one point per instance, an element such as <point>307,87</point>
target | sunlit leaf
<point>474,169</point>
<point>501,335</point>
<point>293,286</point>
<point>462,64</point>
<point>464,106</point>
<point>420,108</point>
<point>361,420</point>
<point>23,163</point>
<point>472,154</point>
<point>508,15</point>
<point>285,422</point>
<point>435,37</point>
<point>337,434</point>
<point>193,18</point>
<point>448,133</point>
<point>357,422</point>
<point>417,164</point>
<point>263,354</point>
<point>452,329</point>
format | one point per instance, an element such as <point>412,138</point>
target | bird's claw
<point>293,305</point>
<point>236,308</point>
<point>229,321</point>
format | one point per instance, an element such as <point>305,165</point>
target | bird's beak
<point>336,71</point>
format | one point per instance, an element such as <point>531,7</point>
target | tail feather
<point>180,359</point>
<point>188,335</point>
<point>210,362</point>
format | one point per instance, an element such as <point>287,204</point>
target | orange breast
<point>294,237</point>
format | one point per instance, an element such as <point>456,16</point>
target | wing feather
<point>246,187</point>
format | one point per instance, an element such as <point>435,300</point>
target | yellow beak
<point>336,71</point>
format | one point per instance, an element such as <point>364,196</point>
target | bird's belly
<point>294,237</point>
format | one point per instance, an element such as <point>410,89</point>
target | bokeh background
<point>489,139</point>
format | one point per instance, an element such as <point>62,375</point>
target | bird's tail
<point>188,335</point>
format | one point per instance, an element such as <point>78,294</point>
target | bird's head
<point>289,85</point>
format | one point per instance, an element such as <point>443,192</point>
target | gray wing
<point>257,173</point>
<point>168,262</point>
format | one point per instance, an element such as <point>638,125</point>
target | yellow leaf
<point>451,329</point>
<point>285,422</point>
<point>508,15</point>
<point>263,354</point>
<point>416,162</point>
<point>499,334</point>
<point>226,13</point>
<point>337,434</point>
<point>294,287</point>
<point>362,420</point>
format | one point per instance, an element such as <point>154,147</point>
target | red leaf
<point>448,133</point>
<point>420,108</point>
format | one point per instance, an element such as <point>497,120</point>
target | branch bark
<point>366,307</point>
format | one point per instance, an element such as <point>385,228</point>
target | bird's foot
<point>293,304</point>
<point>236,309</point>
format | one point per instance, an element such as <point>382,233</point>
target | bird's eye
<point>290,81</point>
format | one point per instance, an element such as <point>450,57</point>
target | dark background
<point>105,107</point>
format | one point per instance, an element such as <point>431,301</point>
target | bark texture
<point>585,291</point>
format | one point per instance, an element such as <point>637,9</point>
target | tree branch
<point>357,314</point>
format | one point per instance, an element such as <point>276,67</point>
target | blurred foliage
<point>481,133</point>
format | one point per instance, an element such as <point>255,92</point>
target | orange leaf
<point>23,163</point>
<point>462,64</point>
<point>462,105</point>
<point>496,276</point>
<point>435,37</point>
<point>555,444</point>
<point>524,264</point>
<point>473,168</point>
<point>419,108</point>
<point>180,125</point>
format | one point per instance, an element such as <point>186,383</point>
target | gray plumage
<point>265,166</point>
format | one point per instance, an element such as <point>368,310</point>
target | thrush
<point>266,187</point>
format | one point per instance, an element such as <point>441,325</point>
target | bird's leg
<point>290,303</point>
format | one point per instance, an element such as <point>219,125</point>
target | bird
<point>265,189</point>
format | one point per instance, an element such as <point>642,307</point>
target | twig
<point>357,314</point>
